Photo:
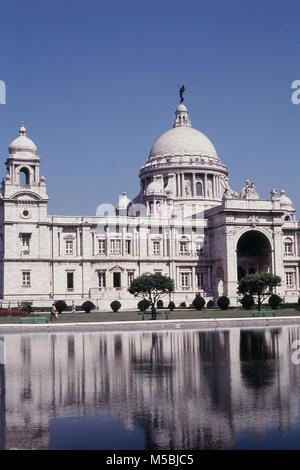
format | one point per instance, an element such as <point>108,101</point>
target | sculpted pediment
<point>28,196</point>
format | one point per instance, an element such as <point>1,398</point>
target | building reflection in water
<point>177,389</point>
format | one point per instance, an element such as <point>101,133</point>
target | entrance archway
<point>253,254</point>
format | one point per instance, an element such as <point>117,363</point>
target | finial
<point>22,130</point>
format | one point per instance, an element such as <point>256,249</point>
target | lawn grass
<point>96,316</point>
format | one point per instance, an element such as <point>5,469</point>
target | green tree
<point>151,287</point>
<point>260,285</point>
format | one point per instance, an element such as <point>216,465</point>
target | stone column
<point>194,184</point>
<point>193,278</point>
<point>209,278</point>
<point>205,185</point>
<point>230,266</point>
<point>277,258</point>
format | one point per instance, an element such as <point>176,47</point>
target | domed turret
<point>285,201</point>
<point>22,145</point>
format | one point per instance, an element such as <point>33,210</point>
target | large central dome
<point>182,141</point>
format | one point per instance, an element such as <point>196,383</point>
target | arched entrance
<point>253,254</point>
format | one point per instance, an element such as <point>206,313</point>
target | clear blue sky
<point>96,84</point>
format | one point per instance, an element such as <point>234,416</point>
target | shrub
<point>60,306</point>
<point>27,306</point>
<point>171,306</point>
<point>198,302</point>
<point>210,304</point>
<point>247,301</point>
<point>87,306</point>
<point>223,302</point>
<point>160,304</point>
<point>143,305</point>
<point>275,300</point>
<point>115,305</point>
<point>182,304</point>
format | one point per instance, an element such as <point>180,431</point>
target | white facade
<point>186,223</point>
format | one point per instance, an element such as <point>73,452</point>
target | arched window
<point>24,176</point>
<point>183,247</point>
<point>199,191</point>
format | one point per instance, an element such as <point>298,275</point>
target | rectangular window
<point>101,247</point>
<point>69,247</point>
<point>26,278</point>
<point>117,279</point>
<point>288,249</point>
<point>101,279</point>
<point>70,281</point>
<point>200,278</point>
<point>156,248</point>
<point>25,241</point>
<point>115,247</point>
<point>127,247</point>
<point>289,279</point>
<point>130,277</point>
<point>185,280</point>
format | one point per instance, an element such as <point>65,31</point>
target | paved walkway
<point>152,325</point>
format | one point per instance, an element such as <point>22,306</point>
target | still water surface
<point>224,389</point>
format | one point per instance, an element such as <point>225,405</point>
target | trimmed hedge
<point>61,306</point>
<point>275,300</point>
<point>87,306</point>
<point>210,304</point>
<point>143,305</point>
<point>198,302</point>
<point>223,302</point>
<point>171,306</point>
<point>247,301</point>
<point>115,305</point>
<point>159,304</point>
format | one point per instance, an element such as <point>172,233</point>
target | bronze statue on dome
<point>181,91</point>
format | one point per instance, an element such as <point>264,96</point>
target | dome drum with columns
<point>223,235</point>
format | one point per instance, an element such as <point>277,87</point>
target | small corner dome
<point>285,201</point>
<point>181,108</point>
<point>22,144</point>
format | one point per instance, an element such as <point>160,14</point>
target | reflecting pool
<point>186,389</point>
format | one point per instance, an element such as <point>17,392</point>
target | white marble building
<point>186,223</point>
